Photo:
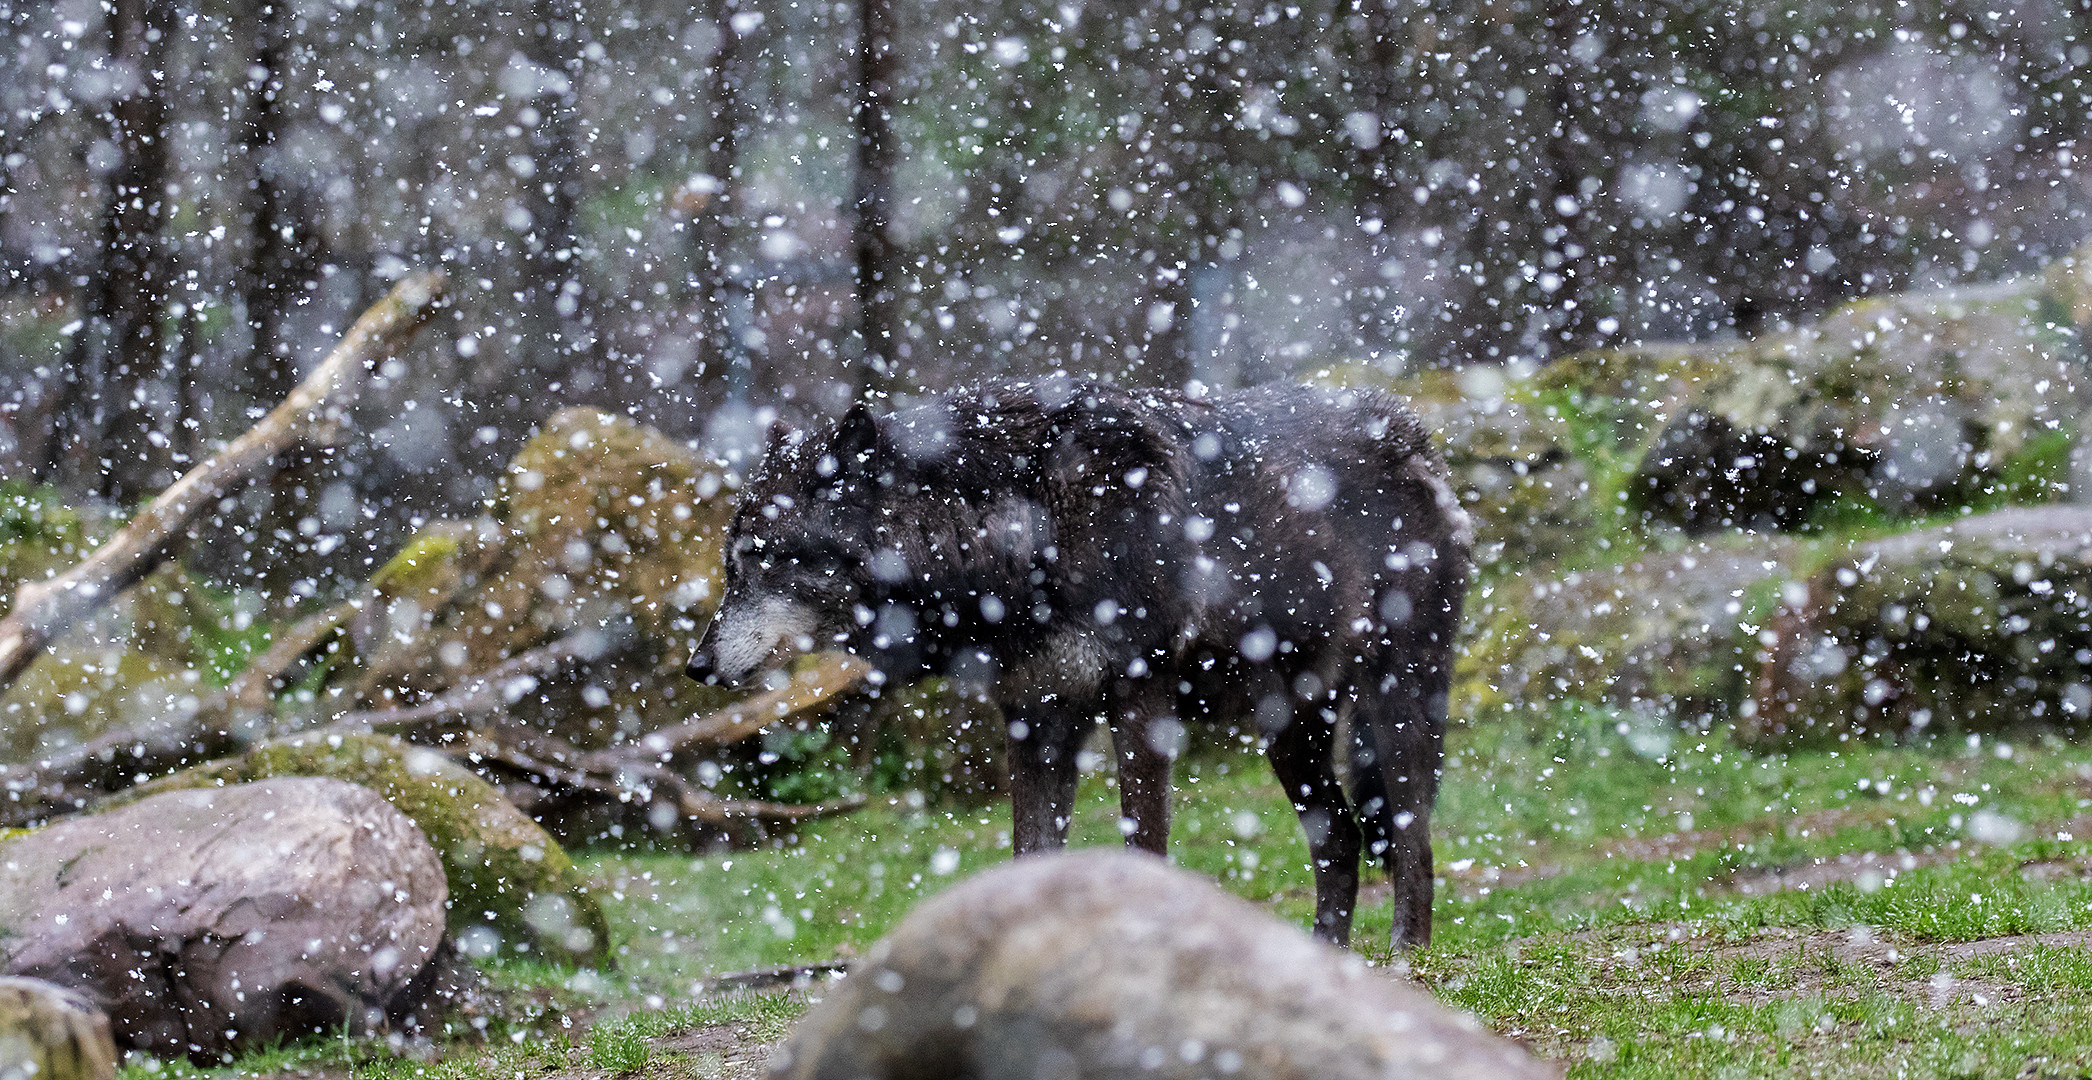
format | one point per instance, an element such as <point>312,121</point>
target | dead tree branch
<point>479,694</point>
<point>313,414</point>
<point>836,673</point>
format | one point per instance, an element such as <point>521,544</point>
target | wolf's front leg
<point>1043,744</point>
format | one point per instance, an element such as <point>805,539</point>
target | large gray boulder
<point>512,886</point>
<point>1103,965</point>
<point>1978,625</point>
<point>207,921</point>
<point>50,1033</point>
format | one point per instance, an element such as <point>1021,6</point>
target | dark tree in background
<point>878,270</point>
<point>711,200</point>
<point>558,299</point>
<point>285,263</point>
<point>104,417</point>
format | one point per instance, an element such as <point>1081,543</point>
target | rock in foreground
<point>214,920</point>
<point>1109,964</point>
<point>50,1033</point>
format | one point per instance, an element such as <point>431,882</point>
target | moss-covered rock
<point>512,886</point>
<point>1514,458</point>
<point>149,653</point>
<point>1673,633</point>
<point>602,528</point>
<point>48,1032</point>
<point>82,689</point>
<point>1905,403</point>
<point>1978,625</point>
<point>1889,407</point>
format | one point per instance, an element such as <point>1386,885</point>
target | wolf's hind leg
<point>1145,754</point>
<point>1300,755</point>
<point>1397,750</point>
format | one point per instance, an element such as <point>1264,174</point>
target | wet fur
<point>1273,559</point>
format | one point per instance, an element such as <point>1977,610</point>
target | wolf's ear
<point>857,435</point>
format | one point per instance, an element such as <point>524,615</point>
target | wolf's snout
<point>701,669</point>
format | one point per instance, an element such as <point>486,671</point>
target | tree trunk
<point>102,420</point>
<point>878,269</point>
<point>286,256</point>
<point>561,344</point>
<point>725,359</point>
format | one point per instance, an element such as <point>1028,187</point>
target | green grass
<point>619,1046</point>
<point>1590,906</point>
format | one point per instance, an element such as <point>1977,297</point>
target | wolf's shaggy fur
<point>1278,557</point>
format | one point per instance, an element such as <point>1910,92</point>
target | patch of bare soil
<point>1779,963</point>
<point>1870,869</point>
<point>722,1052</point>
<point>1862,868</point>
<point>1471,877</point>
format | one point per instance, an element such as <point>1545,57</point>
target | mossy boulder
<point>601,528</point>
<point>1983,624</point>
<point>1513,457</point>
<point>48,1032</point>
<point>1671,633</point>
<point>83,688</point>
<point>152,653</point>
<point>1905,403</point>
<point>512,887</point>
<point>1888,407</point>
<point>209,922</point>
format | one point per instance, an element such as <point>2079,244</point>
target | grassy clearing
<point>1630,906</point>
<point>1628,901</point>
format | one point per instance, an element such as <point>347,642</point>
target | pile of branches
<point>468,722</point>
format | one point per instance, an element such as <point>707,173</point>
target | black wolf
<point>1283,556</point>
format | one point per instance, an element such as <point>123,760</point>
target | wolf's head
<point>799,553</point>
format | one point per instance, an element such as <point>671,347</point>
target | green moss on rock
<point>82,689</point>
<point>1673,633</point>
<point>602,528</point>
<point>1511,456</point>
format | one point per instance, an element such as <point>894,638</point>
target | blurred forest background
<point>696,216</point>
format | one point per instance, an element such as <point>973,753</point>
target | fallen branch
<point>313,414</point>
<point>836,674</point>
<point>479,694</point>
<point>567,773</point>
<point>255,687</point>
<point>71,778</point>
<point>770,977</point>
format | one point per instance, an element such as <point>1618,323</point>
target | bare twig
<point>254,687</point>
<point>478,694</point>
<point>553,763</point>
<point>313,413</point>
